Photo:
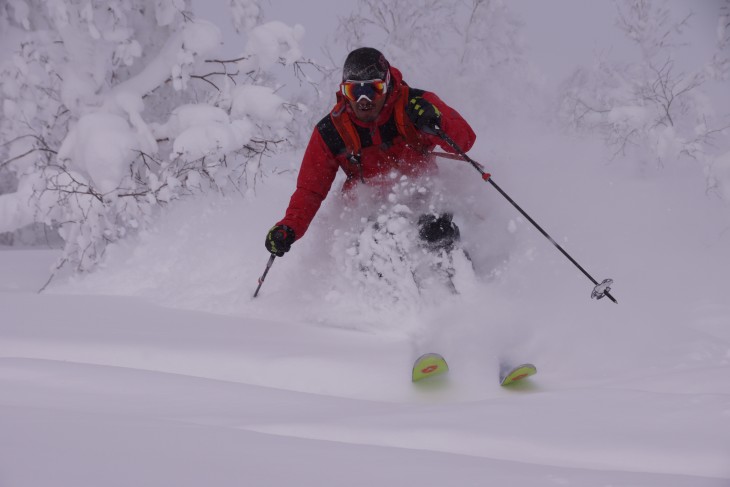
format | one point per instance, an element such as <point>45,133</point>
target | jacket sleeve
<point>316,175</point>
<point>453,124</point>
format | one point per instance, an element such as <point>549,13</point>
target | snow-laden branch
<point>103,123</point>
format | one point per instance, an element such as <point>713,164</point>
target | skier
<point>379,126</point>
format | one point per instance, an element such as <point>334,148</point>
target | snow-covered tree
<point>460,49</point>
<point>650,108</point>
<point>427,34</point>
<point>112,109</point>
<point>412,30</point>
<point>491,36</point>
<point>720,66</point>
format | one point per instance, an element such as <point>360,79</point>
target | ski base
<point>429,365</point>
<point>509,375</point>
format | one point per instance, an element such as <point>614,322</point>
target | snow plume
<point>375,252</point>
<point>110,112</point>
<point>651,110</point>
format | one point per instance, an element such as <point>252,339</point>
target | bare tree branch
<point>5,163</point>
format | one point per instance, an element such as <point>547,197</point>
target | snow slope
<point>116,391</point>
<point>160,369</point>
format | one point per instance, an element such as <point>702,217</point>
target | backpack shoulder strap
<point>339,133</point>
<point>403,123</point>
<point>331,136</point>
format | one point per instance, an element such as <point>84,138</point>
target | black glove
<point>424,114</point>
<point>279,240</point>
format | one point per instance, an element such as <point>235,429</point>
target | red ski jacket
<point>384,148</point>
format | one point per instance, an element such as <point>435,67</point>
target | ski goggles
<point>370,89</point>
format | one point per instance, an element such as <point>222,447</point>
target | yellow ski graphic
<point>429,365</point>
<point>510,375</point>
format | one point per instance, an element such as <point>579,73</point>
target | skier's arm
<point>453,124</point>
<point>316,175</point>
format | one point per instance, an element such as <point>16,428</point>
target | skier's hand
<point>424,114</point>
<point>279,240</point>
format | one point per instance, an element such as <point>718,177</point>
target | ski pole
<point>263,276</point>
<point>600,290</point>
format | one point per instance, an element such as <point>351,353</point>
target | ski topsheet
<point>429,365</point>
<point>510,374</point>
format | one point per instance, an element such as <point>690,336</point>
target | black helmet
<point>365,63</point>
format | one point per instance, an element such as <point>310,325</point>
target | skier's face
<point>366,97</point>
<point>366,110</point>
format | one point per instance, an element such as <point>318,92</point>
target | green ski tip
<point>429,365</point>
<point>509,375</point>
